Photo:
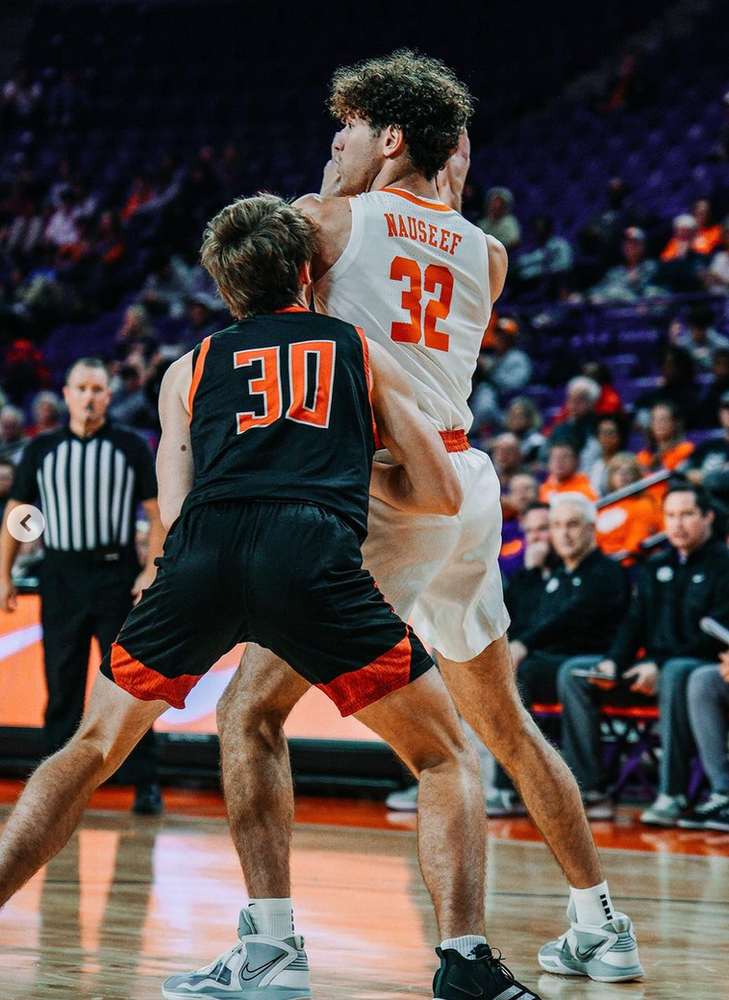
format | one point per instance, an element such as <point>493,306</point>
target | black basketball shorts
<point>287,576</point>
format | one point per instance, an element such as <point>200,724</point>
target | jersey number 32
<point>422,320</point>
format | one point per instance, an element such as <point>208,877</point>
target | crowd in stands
<point>75,250</point>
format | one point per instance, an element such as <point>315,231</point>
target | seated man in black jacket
<point>574,610</point>
<point>675,590</point>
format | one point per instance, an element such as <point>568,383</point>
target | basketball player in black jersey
<point>264,469</point>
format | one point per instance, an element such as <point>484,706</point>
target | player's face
<point>355,152</point>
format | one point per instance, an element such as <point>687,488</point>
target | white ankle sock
<point>593,905</point>
<point>272,917</point>
<point>463,945</point>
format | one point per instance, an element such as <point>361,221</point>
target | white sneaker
<point>256,968</point>
<point>607,953</point>
<point>403,800</point>
<point>665,811</point>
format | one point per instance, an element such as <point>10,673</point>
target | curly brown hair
<point>418,93</point>
<point>254,249</point>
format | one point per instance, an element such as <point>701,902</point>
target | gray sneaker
<point>607,954</point>
<point>403,800</point>
<point>256,968</point>
<point>702,814</point>
<point>502,802</point>
<point>665,811</point>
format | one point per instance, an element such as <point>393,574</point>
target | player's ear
<point>305,273</point>
<point>393,140</point>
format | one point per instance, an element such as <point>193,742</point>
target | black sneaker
<point>482,977</point>
<point>720,820</point>
<point>701,815</point>
<point>148,800</point>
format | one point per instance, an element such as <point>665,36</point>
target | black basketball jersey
<point>280,410</point>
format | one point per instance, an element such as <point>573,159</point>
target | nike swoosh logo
<point>259,970</point>
<point>585,956</point>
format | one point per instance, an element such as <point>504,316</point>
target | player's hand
<point>451,180</point>
<point>143,582</point>
<point>518,652</point>
<point>646,676</point>
<point>610,670</point>
<point>8,596</point>
<point>724,665</point>
<point>330,181</point>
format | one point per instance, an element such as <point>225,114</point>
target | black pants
<point>82,599</point>
<point>536,678</point>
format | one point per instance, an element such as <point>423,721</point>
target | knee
<point>454,755</point>
<point>674,677</point>
<point>702,685</point>
<point>248,718</point>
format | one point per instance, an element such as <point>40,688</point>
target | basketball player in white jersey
<point>421,281</point>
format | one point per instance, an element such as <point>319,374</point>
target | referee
<point>89,477</point>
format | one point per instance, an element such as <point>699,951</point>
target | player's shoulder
<point>323,209</point>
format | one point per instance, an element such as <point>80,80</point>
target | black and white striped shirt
<point>88,488</point>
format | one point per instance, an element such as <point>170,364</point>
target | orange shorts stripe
<point>147,684</point>
<point>353,691</point>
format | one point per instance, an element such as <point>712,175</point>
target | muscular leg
<point>485,693</point>
<point>52,802</point>
<point>256,770</point>
<point>419,723</point>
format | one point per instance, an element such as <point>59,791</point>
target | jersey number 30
<point>311,378</point>
<point>422,321</point>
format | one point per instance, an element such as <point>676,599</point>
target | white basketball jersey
<point>415,277</point>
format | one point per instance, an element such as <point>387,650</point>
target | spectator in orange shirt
<point>708,235</point>
<point>693,232</point>
<point>563,473</point>
<point>668,444</point>
<point>624,525</point>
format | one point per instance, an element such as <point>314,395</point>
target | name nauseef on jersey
<point>409,228</point>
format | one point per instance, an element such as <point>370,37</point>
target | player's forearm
<point>415,494</point>
<point>156,541</point>
<point>9,546</point>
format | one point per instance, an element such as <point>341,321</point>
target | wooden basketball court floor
<point>130,901</point>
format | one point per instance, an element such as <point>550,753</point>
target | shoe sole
<point>256,993</point>
<point>565,970</point>
<point>665,823</point>
<point>721,827</point>
<point>687,824</point>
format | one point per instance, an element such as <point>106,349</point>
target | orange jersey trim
<point>455,441</point>
<point>293,309</point>
<point>146,684</point>
<point>368,376</point>
<point>198,372</point>
<point>424,203</point>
